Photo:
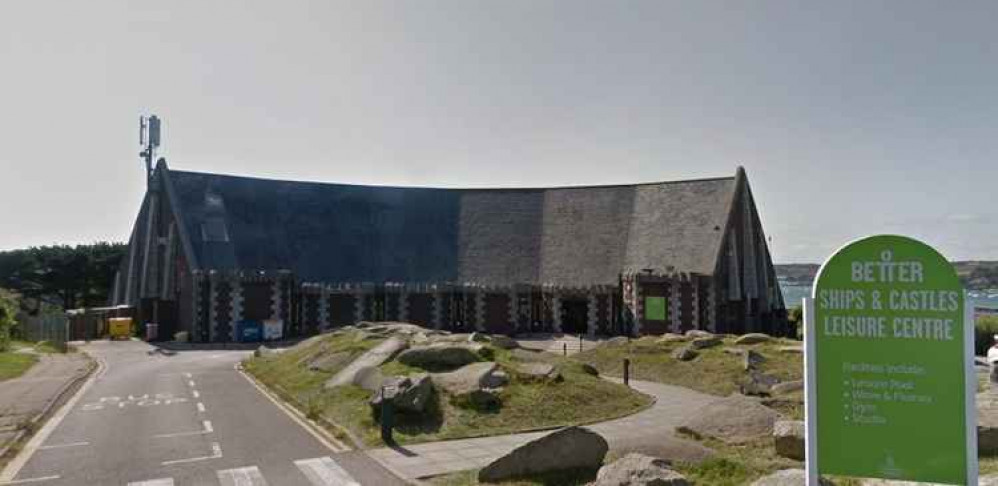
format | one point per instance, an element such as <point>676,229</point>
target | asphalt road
<point>191,418</point>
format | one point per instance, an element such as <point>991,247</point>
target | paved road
<point>191,418</point>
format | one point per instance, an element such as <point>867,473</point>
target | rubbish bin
<point>249,331</point>
<point>152,331</point>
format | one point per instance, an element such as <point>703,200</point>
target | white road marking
<point>196,394</point>
<point>60,446</point>
<point>32,480</point>
<point>325,438</point>
<point>324,471</point>
<point>153,482</point>
<point>15,465</point>
<point>187,375</point>
<point>206,430</point>
<point>216,453</point>
<point>190,383</point>
<point>200,407</point>
<point>242,476</point>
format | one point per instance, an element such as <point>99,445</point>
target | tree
<point>70,276</point>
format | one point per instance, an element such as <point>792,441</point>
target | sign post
<point>889,378</point>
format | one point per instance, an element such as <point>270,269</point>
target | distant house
<point>212,253</point>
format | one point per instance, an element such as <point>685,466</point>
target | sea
<point>794,292</point>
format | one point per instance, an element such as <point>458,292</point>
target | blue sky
<point>851,118</point>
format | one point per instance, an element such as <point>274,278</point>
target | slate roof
<point>352,233</point>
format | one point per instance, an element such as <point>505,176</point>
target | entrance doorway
<point>575,318</point>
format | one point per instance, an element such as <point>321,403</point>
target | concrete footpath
<point>672,406</point>
<point>24,400</point>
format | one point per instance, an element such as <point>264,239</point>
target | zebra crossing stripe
<point>153,482</point>
<point>242,476</point>
<point>324,471</point>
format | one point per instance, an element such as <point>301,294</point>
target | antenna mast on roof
<point>149,138</point>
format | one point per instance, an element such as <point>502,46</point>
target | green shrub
<point>8,309</point>
<point>984,333</point>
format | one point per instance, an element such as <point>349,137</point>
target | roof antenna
<point>149,138</point>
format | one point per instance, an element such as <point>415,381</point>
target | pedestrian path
<point>318,471</point>
<point>24,398</point>
<point>672,406</point>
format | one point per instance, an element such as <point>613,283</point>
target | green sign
<point>655,308</point>
<point>890,366</point>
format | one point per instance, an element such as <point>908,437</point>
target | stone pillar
<point>695,290</point>
<point>438,309</point>
<point>358,306</point>
<point>276,299</point>
<point>323,308</point>
<point>591,314</point>
<point>212,308</point>
<point>639,307</point>
<point>480,310</point>
<point>512,309</point>
<point>236,312</point>
<point>675,310</point>
<point>403,305</point>
<point>556,311</point>
<point>712,307</point>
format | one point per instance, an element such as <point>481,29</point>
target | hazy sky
<point>851,118</point>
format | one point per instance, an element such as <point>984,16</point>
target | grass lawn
<point>14,364</point>
<point>579,398</point>
<point>713,371</point>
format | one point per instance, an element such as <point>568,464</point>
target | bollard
<point>564,348</point>
<point>627,372</point>
<point>580,343</point>
<point>387,416</point>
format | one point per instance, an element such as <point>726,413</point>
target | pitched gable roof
<point>352,233</point>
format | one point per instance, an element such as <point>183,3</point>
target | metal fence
<point>51,328</point>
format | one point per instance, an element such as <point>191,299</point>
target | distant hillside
<point>975,275</point>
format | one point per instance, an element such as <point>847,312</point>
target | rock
<point>791,349</point>
<point>529,355</point>
<point>504,342</point>
<point>441,355</point>
<point>753,338</point>
<point>368,378</point>
<point>563,449</point>
<point>758,384</point>
<point>735,351</point>
<point>987,423</point>
<point>989,480</point>
<point>665,446</point>
<point>639,470</point>
<point>391,328</point>
<point>705,342</point>
<point>472,377</point>
<point>589,369</point>
<point>751,360</point>
<point>685,353</point>
<point>787,387</point>
<point>374,357</point>
<point>537,371</point>
<point>477,337</point>
<point>617,341</point>
<point>481,400</point>
<point>671,338</point>
<point>264,352</point>
<point>329,362</point>
<point>734,420</point>
<point>411,394</point>
<point>788,437</point>
<point>788,477</point>
<point>698,333</point>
